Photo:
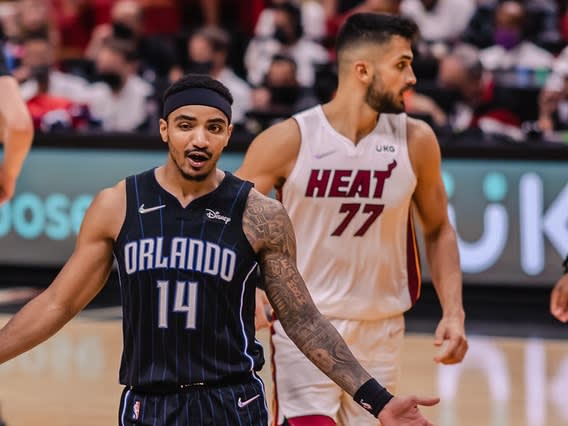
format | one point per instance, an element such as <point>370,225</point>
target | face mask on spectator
<point>284,95</point>
<point>507,38</point>
<point>113,79</point>
<point>122,31</point>
<point>40,73</point>
<point>282,36</point>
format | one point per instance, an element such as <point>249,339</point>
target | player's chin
<point>196,174</point>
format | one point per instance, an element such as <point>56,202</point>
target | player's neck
<point>352,119</point>
<point>186,190</point>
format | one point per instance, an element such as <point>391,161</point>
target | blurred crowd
<point>496,67</point>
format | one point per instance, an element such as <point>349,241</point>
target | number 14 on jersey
<point>185,301</point>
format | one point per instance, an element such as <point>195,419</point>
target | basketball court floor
<point>71,380</point>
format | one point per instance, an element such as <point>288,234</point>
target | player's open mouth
<point>197,159</point>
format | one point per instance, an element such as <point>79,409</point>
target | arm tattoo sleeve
<point>268,228</point>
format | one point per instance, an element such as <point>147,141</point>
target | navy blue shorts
<point>236,404</point>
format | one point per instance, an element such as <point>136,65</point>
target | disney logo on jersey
<point>215,215</point>
<point>385,148</point>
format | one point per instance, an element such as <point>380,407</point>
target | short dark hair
<point>294,14</point>
<point>124,47</point>
<point>198,81</point>
<point>374,28</point>
<point>218,38</point>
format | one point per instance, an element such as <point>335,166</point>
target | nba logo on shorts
<point>136,410</point>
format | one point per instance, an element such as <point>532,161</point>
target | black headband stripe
<point>197,96</point>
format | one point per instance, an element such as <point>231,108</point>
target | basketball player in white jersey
<point>350,173</point>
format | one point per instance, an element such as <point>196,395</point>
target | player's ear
<point>164,130</point>
<point>229,133</point>
<point>362,71</point>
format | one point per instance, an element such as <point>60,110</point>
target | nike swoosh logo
<point>142,210</point>
<point>242,404</point>
<point>324,154</point>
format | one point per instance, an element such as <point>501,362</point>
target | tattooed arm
<point>268,228</point>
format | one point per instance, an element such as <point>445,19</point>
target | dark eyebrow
<point>216,121</point>
<point>185,117</point>
<point>407,57</point>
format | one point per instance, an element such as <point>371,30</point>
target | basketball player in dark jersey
<point>187,238</point>
<point>16,130</point>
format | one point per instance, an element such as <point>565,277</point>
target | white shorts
<point>302,389</point>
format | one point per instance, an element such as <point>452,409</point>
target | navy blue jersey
<point>187,287</point>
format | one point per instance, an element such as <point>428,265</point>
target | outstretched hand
<point>402,411</point>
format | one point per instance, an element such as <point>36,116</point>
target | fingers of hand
<point>426,401</point>
<point>560,313</point>
<point>554,306</point>
<point>445,350</point>
<point>452,351</point>
<point>559,304</point>
<point>439,335</point>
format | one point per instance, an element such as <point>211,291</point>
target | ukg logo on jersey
<point>512,215</point>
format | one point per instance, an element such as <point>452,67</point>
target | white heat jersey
<point>350,207</point>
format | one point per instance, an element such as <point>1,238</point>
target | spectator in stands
<point>288,39</point>
<point>553,99</point>
<point>313,19</point>
<point>439,20</point>
<point>280,91</point>
<point>207,50</point>
<point>540,17</point>
<point>121,100</point>
<point>511,49</point>
<point>41,76</point>
<point>156,54</point>
<point>36,16</point>
<point>464,86</point>
<point>461,75</point>
<point>55,99</point>
<point>21,20</point>
<point>279,96</point>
